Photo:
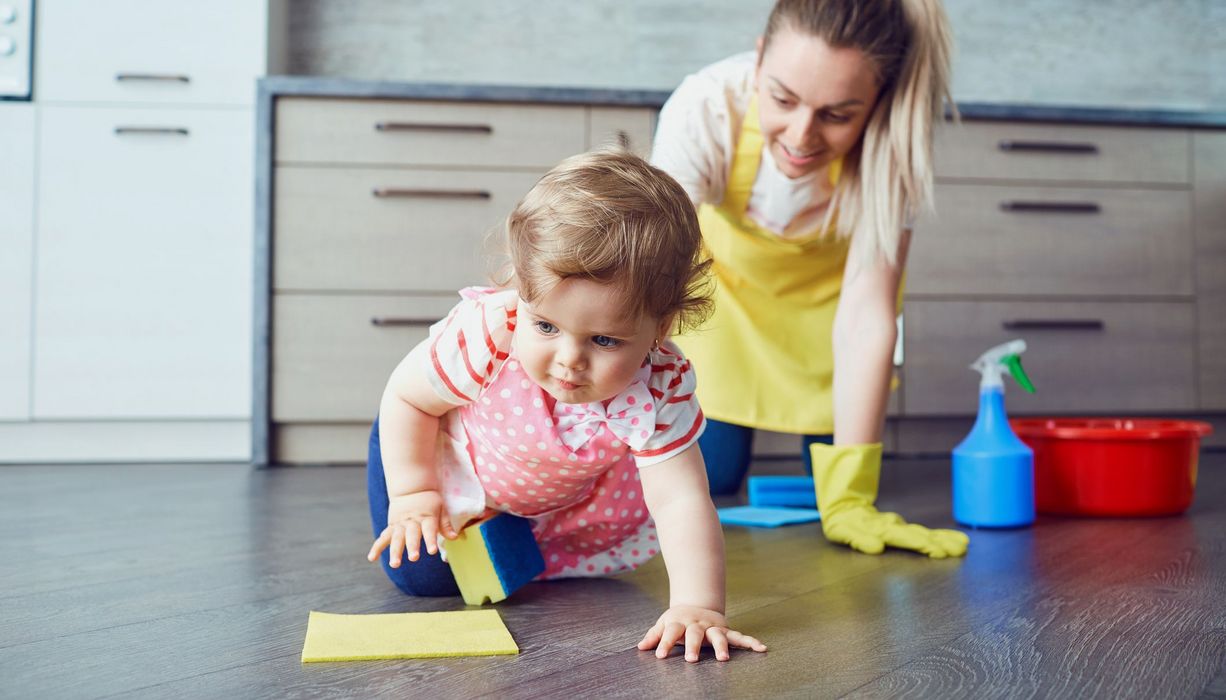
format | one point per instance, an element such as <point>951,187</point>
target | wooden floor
<point>196,581</point>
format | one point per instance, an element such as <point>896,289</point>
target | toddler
<point>560,399</point>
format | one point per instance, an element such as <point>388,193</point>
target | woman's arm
<point>865,332</point>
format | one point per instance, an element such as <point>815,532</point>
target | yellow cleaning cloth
<point>332,637</point>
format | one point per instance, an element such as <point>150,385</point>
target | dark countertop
<point>312,86</point>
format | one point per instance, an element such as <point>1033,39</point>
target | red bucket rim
<point>1110,428</point>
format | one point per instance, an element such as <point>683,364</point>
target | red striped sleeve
<point>468,363</point>
<point>679,442</point>
<point>438,367</point>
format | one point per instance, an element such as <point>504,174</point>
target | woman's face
<point>813,100</point>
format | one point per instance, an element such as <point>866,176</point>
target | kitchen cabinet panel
<point>1062,152</point>
<point>143,296</point>
<point>629,127</point>
<point>372,229</point>
<point>151,51</point>
<point>427,134</point>
<point>983,240</point>
<point>1210,167</point>
<point>16,244</point>
<point>1084,357</point>
<point>332,354</point>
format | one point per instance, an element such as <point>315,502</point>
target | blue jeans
<point>429,575</point>
<point>726,449</point>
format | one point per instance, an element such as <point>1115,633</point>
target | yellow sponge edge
<point>332,637</point>
<point>473,569</point>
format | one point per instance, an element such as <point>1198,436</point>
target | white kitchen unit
<point>139,309</point>
<point>16,250</point>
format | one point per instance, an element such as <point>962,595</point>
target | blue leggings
<point>726,449</point>
<point>429,575</point>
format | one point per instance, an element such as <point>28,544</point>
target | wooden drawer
<point>629,127</point>
<point>444,134</point>
<point>330,360</point>
<point>1012,151</point>
<point>991,239</point>
<point>168,52</point>
<point>1141,358</point>
<point>381,229</point>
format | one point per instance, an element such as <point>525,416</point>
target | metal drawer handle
<point>1053,324</point>
<point>158,130</point>
<point>435,127</point>
<point>1010,146</point>
<point>388,192</point>
<point>385,321</point>
<point>154,77</point>
<point>1057,207</point>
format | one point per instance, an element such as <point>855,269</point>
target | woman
<point>808,159</point>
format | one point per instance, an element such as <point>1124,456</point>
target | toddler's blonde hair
<point>611,217</point>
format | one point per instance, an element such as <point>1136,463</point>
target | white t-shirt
<point>696,139</point>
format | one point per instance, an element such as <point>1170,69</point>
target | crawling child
<point>559,398</point>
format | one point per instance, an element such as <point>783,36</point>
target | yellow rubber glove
<point>846,477</point>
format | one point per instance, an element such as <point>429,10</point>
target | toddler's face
<point>575,343</point>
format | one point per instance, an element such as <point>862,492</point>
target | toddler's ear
<point>665,329</point>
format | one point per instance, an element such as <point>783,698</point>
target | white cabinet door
<point>150,51</point>
<point>143,292</point>
<point>16,240</point>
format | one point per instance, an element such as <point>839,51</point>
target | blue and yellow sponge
<point>493,558</point>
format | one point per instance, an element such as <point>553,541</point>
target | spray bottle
<point>994,470</point>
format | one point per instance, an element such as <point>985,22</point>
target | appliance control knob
<point>7,46</point>
<point>8,14</point>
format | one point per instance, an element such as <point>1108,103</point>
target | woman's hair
<point>887,180</point>
<point>610,217</point>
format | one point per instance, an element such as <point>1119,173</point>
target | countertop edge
<point>318,86</point>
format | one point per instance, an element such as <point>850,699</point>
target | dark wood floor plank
<point>168,581</point>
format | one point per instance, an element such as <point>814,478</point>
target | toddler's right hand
<point>410,519</point>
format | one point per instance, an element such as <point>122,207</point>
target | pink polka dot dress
<point>572,469</point>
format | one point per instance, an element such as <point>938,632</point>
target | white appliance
<point>16,48</point>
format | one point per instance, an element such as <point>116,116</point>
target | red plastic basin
<point>1112,466</point>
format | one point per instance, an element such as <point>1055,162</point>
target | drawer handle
<point>389,192</point>
<point>385,321</point>
<point>1053,324</point>
<point>153,77</point>
<point>1056,207</point>
<point>156,130</point>
<point>435,127</point>
<point>1010,146</point>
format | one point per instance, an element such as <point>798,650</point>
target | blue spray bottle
<point>994,470</point>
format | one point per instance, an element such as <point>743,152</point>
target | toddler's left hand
<point>695,625</point>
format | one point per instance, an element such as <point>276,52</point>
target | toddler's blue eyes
<point>605,341</point>
<point>546,327</point>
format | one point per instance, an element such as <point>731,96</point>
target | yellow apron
<point>765,358</point>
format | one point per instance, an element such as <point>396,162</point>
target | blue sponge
<point>492,559</point>
<point>788,491</point>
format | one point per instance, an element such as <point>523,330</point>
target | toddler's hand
<point>410,519</point>
<point>694,626</point>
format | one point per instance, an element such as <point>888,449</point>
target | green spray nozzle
<point>1014,363</point>
<point>1004,357</point>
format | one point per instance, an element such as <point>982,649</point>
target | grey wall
<point>1116,53</point>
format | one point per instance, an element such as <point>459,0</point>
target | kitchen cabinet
<point>17,244</point>
<point>144,259</point>
<point>381,209</point>
<point>1101,246</point>
<point>139,302</point>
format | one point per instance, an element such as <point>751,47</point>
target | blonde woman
<point>808,159</point>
